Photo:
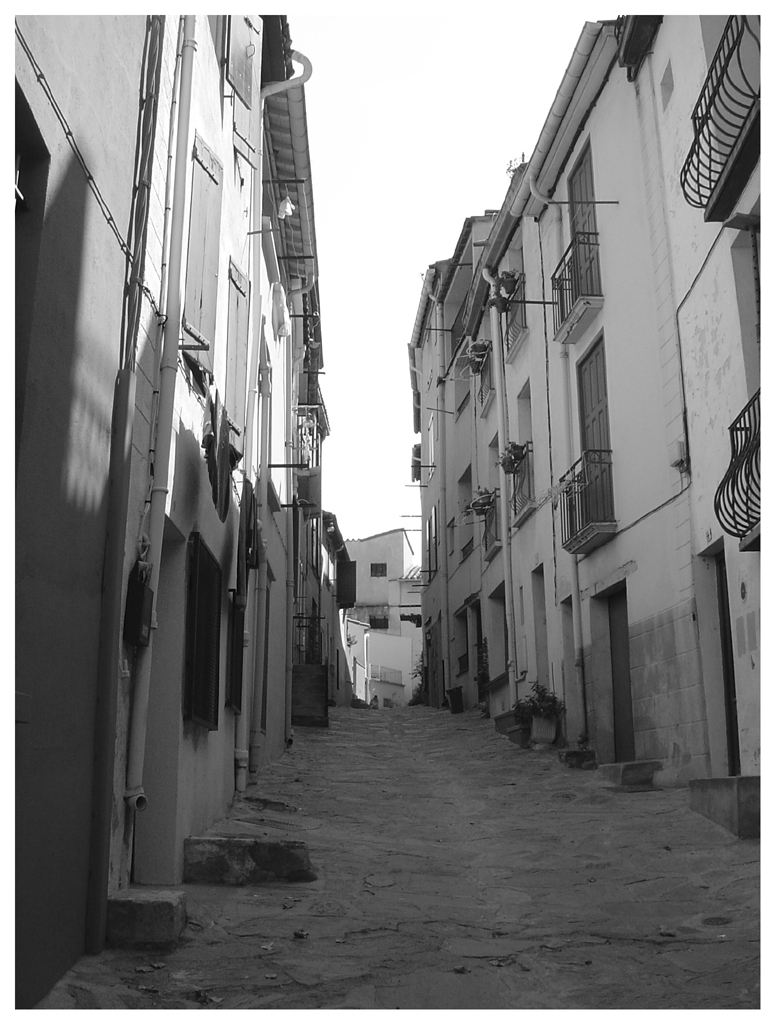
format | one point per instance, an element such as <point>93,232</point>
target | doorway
<point>727,666</point>
<point>624,731</point>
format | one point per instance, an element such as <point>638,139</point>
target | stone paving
<point>455,870</point>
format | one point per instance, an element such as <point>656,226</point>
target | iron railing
<point>588,495</point>
<point>738,499</point>
<point>728,97</point>
<point>308,640</point>
<point>516,321</point>
<point>578,274</point>
<point>524,489</point>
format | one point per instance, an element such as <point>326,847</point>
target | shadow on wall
<point>66,381</point>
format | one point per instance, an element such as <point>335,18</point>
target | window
<point>379,568</point>
<point>379,621</point>
<point>237,346</point>
<point>432,536</point>
<point>236,651</point>
<point>431,445</point>
<point>451,536</point>
<point>203,635</point>
<point>203,252</point>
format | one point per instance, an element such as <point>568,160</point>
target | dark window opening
<point>203,635</point>
<point>379,568</point>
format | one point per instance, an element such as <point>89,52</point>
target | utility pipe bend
<point>291,83</point>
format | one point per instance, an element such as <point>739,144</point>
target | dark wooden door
<point>583,228</point>
<point>728,667</point>
<point>595,497</point>
<point>624,733</point>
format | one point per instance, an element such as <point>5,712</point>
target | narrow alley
<point>455,870</point>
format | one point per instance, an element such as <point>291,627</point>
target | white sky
<point>412,122</point>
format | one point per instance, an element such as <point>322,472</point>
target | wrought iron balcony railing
<point>577,276</point>
<point>523,497</point>
<point>516,321</point>
<point>587,502</point>
<point>308,640</point>
<point>738,499</point>
<point>726,122</point>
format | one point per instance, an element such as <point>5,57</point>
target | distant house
<point>388,601</point>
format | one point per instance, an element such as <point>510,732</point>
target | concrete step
<point>240,860</point>
<point>733,802</point>
<point>632,776</point>
<point>140,918</point>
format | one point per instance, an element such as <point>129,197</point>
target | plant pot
<point>543,730</point>
<point>455,696</point>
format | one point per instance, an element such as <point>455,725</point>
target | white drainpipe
<point>441,458</point>
<point>578,649</point>
<point>135,795</point>
<point>503,498</point>
<point>263,380</point>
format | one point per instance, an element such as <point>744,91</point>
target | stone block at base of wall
<point>145,918</point>
<point>733,802</point>
<point>233,860</point>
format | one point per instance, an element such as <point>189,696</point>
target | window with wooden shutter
<point>203,254</point>
<point>243,51</point>
<point>203,635</point>
<point>237,345</point>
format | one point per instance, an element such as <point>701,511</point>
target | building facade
<point>388,602</point>
<point>170,536</point>
<point>585,377</point>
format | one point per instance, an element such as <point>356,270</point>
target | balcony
<point>587,503</point>
<point>576,290</point>
<point>485,389</point>
<point>491,535</point>
<point>308,640</point>
<point>523,501</point>
<point>516,322</point>
<point>738,499</point>
<point>726,144</point>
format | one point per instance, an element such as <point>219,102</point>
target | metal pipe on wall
<point>496,304</point>
<point>135,795</point>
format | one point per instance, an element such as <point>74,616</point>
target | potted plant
<point>545,708</point>
<point>523,720</point>
<point>511,458</point>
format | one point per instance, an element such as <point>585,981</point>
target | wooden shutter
<point>345,584</point>
<point>237,345</point>
<point>203,635</point>
<point>243,46</point>
<point>203,254</point>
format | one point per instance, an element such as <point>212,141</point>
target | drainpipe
<point>578,651</point>
<point>497,305</point>
<point>438,317</point>
<point>265,391</point>
<point>290,522</point>
<point>135,795</point>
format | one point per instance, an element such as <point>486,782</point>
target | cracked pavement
<point>455,870</point>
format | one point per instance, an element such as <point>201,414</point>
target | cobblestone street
<point>455,870</point>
